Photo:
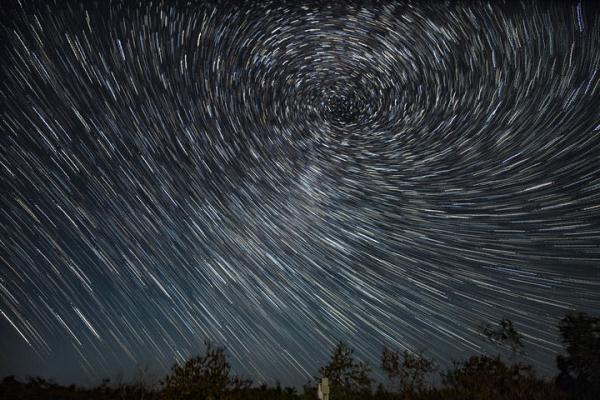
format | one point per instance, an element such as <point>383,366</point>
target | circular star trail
<point>278,176</point>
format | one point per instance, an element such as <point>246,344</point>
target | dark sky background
<point>278,176</point>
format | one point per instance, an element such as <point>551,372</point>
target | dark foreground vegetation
<point>481,377</point>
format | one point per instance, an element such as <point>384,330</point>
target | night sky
<point>279,176</point>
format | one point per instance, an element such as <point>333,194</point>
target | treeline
<point>409,375</point>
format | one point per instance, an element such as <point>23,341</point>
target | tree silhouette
<point>505,335</point>
<point>348,378</point>
<point>580,367</point>
<point>209,376</point>
<point>406,370</point>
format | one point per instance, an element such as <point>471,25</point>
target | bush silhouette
<point>489,378</point>
<point>204,377</point>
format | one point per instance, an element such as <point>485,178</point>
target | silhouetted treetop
<point>580,366</point>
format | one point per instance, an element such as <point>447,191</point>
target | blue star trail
<point>277,176</point>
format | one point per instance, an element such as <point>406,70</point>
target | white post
<point>324,389</point>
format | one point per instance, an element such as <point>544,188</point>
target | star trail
<point>277,176</point>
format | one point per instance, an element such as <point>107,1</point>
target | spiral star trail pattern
<point>278,176</point>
